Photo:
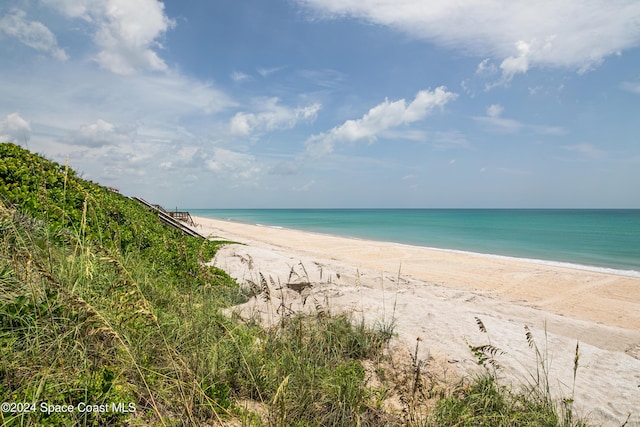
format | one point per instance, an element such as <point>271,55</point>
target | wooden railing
<point>174,219</point>
<point>182,216</point>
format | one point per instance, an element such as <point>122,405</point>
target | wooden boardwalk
<point>176,219</point>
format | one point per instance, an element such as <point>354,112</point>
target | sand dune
<point>436,296</point>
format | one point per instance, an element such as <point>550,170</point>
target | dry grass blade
<point>292,272</point>
<point>265,288</point>
<point>576,362</point>
<point>279,400</point>
<point>248,261</point>
<point>489,350</point>
<point>304,269</point>
<point>487,354</point>
<point>320,269</point>
<point>322,312</point>
<point>529,336</point>
<point>417,366</point>
<point>481,326</point>
<point>254,288</point>
<point>10,287</point>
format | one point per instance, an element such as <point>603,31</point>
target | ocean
<point>605,239</point>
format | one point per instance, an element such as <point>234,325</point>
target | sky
<point>332,103</point>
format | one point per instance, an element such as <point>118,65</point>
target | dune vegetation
<point>108,317</point>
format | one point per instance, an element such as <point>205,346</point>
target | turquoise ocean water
<point>604,239</point>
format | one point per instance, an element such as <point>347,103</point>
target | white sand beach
<point>440,293</point>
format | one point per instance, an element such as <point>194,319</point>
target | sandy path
<point>440,293</point>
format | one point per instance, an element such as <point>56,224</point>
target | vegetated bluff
<point>97,302</point>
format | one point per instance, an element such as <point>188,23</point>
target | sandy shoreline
<point>439,294</point>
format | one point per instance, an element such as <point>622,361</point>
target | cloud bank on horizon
<point>332,103</point>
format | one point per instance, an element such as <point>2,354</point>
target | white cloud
<point>271,116</point>
<point>519,63</point>
<point>101,133</point>
<point>574,34</point>
<point>72,8</point>
<point>495,110</point>
<point>486,68</point>
<point>164,103</point>
<point>585,151</point>
<point>188,154</point>
<point>240,124</point>
<point>126,32</point>
<point>110,124</point>
<point>417,135</point>
<point>233,164</point>
<point>326,78</point>
<point>379,119</point>
<point>447,140</point>
<point>304,188</point>
<point>494,121</point>
<point>238,76</point>
<point>128,35</point>
<point>14,129</point>
<point>439,140</point>
<point>310,112</point>
<point>266,72</point>
<point>633,87</point>
<point>31,33</point>
<point>550,130</point>
<point>130,163</point>
<point>499,124</point>
<point>534,90</point>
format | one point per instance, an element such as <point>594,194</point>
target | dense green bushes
<point>76,208</point>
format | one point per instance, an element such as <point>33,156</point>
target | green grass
<point>100,303</point>
<point>484,402</point>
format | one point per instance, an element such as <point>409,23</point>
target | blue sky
<point>332,103</point>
